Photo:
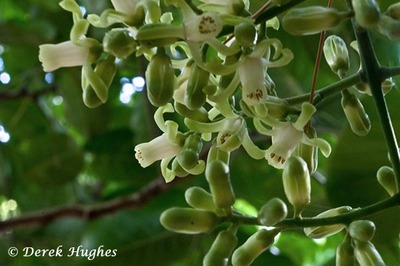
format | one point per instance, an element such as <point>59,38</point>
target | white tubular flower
<point>155,150</point>
<point>251,74</point>
<point>202,27</point>
<point>65,54</point>
<point>287,137</point>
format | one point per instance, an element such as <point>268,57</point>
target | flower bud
<point>367,13</point>
<point>159,34</point>
<point>393,11</point>
<point>345,253</point>
<point>389,27</point>
<point>160,79</point>
<point>387,179</point>
<point>119,43</point>
<point>336,55</point>
<point>271,213</point>
<point>296,183</point>
<point>362,230</point>
<point>90,99</point>
<point>221,249</point>
<point>200,114</point>
<point>327,230</point>
<point>311,20</point>
<point>188,157</point>
<point>217,175</point>
<point>200,199</point>
<point>178,169</point>
<point>253,247</point>
<point>308,152</point>
<point>355,114</point>
<point>366,254</point>
<point>195,97</point>
<point>188,221</point>
<point>245,34</point>
<point>98,80</point>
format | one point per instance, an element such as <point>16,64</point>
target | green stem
<point>276,10</point>
<point>373,74</point>
<point>327,91</point>
<point>346,218</point>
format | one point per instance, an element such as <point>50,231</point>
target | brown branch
<point>88,212</point>
<point>25,93</point>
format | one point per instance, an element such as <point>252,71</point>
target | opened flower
<point>155,150</point>
<point>65,54</point>
<point>287,136</point>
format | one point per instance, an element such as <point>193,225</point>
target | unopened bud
<point>245,34</point>
<point>221,249</point>
<point>367,13</point>
<point>274,211</point>
<point>119,43</point>
<point>345,253</point>
<point>195,97</point>
<point>311,20</point>
<point>336,55</point>
<point>188,157</point>
<point>355,114</point>
<point>296,183</point>
<point>188,221</point>
<point>366,254</point>
<point>389,27</point>
<point>253,247</point>
<point>362,230</point>
<point>394,11</point>
<point>327,230</point>
<point>387,179</point>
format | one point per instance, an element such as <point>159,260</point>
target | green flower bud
<point>217,175</point>
<point>159,34</point>
<point>160,79</point>
<point>367,13</point>
<point>200,199</point>
<point>195,97</point>
<point>90,99</point>
<point>119,43</point>
<point>253,247</point>
<point>296,183</point>
<point>367,255</point>
<point>311,20</point>
<point>178,169</point>
<point>221,249</point>
<point>188,157</point>
<point>245,34</point>
<point>277,108</point>
<point>393,11</point>
<point>327,230</point>
<point>200,114</point>
<point>387,179</point>
<point>188,221</point>
<point>336,55</point>
<point>345,253</point>
<point>309,153</point>
<point>355,114</point>
<point>98,80</point>
<point>389,27</point>
<point>271,213</point>
<point>362,230</point>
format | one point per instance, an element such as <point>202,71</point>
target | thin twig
<point>88,212</point>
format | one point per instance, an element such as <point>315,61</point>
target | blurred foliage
<point>60,153</point>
